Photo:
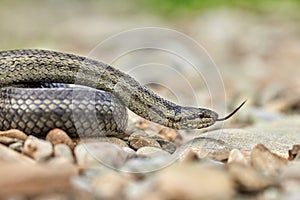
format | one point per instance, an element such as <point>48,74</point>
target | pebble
<point>152,152</point>
<point>247,178</point>
<point>14,133</point>
<point>193,181</point>
<point>31,179</point>
<point>266,161</point>
<point>291,171</point>
<point>38,149</point>
<point>199,152</point>
<point>8,140</point>
<point>110,185</point>
<point>17,146</point>
<point>8,155</point>
<point>169,147</point>
<point>58,136</point>
<point>141,139</point>
<point>236,156</point>
<point>219,155</point>
<point>63,151</point>
<point>93,155</point>
<point>168,133</point>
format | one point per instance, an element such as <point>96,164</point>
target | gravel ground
<point>254,155</point>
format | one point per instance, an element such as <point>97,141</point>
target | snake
<point>98,106</point>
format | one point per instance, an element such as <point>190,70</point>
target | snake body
<point>117,88</point>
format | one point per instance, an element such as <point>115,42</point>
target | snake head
<point>194,118</point>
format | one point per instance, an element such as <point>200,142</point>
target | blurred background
<point>254,44</point>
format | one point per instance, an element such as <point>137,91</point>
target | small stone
<point>294,153</point>
<point>37,149</point>
<point>129,151</point>
<point>248,179</point>
<point>193,181</point>
<point>58,136</point>
<point>220,155</point>
<point>31,179</point>
<point>267,162</point>
<point>169,147</point>
<point>8,140</point>
<point>189,156</point>
<point>110,185</point>
<point>141,139</point>
<point>235,156</point>
<point>152,152</point>
<point>92,155</point>
<point>63,151</point>
<point>197,150</point>
<point>291,171</point>
<point>9,155</point>
<point>17,146</point>
<point>14,133</point>
<point>117,141</point>
<point>168,133</point>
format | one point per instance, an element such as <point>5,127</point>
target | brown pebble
<point>110,185</point>
<point>141,139</point>
<point>34,179</point>
<point>193,181</point>
<point>220,155</point>
<point>168,133</point>
<point>235,156</point>
<point>266,161</point>
<point>9,155</point>
<point>58,136</point>
<point>37,149</point>
<point>247,178</point>
<point>8,140</point>
<point>14,133</point>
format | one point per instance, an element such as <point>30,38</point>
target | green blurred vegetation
<point>174,8</point>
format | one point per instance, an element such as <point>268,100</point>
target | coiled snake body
<point>37,110</point>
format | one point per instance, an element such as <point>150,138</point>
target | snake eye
<point>200,115</point>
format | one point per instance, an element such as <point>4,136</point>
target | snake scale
<point>107,93</point>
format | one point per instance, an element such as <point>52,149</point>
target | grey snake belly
<point>100,108</point>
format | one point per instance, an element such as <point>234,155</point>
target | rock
<point>17,146</point>
<point>58,136</point>
<point>8,140</point>
<point>248,179</point>
<point>8,155</point>
<point>63,151</point>
<point>37,149</point>
<point>117,141</point>
<point>184,150</point>
<point>265,161</point>
<point>169,147</point>
<point>235,156</point>
<point>114,140</point>
<point>193,181</point>
<point>152,152</point>
<point>110,185</point>
<point>14,133</point>
<point>219,155</point>
<point>141,139</point>
<point>291,171</point>
<point>140,165</point>
<point>95,154</point>
<point>31,179</point>
<point>168,133</point>
<point>294,153</point>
